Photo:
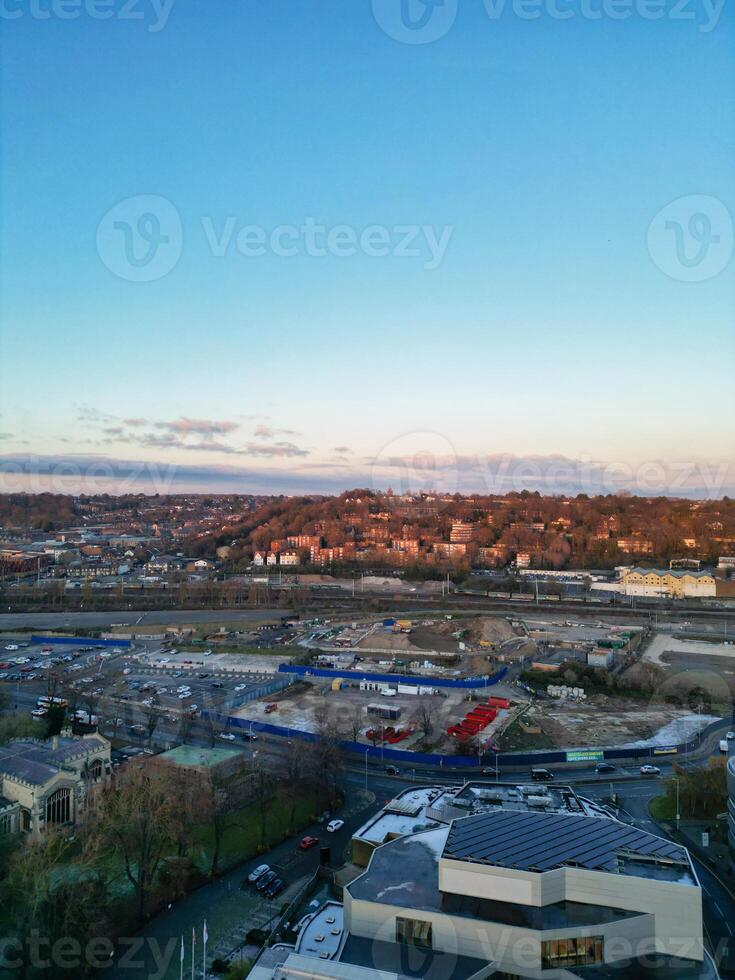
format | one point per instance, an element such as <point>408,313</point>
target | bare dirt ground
<point>606,723</point>
<point>306,707</point>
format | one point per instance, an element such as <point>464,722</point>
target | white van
<point>724,745</point>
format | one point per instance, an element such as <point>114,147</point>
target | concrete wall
<point>677,907</point>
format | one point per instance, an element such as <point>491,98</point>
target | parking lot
<point>117,682</point>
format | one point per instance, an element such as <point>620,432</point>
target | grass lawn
<point>243,840</point>
<point>662,808</point>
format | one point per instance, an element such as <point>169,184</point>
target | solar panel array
<point>543,841</point>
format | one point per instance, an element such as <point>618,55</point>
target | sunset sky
<point>538,331</point>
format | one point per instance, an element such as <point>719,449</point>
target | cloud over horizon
<point>491,474</point>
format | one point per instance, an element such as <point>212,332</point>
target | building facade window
<point>414,932</point>
<point>58,807</point>
<point>586,951</point>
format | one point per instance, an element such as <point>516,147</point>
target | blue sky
<point>551,324</point>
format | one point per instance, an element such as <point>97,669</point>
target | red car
<point>270,708</point>
<point>307,843</point>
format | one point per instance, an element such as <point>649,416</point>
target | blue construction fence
<point>471,683</point>
<point>78,640</point>
<point>507,759</point>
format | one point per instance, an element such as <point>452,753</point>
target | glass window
<point>413,932</point>
<point>583,951</point>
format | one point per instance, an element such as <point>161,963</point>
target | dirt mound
<point>491,629</point>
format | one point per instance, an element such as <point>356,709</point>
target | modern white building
<point>508,893</point>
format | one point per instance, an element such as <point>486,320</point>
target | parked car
<point>604,767</point>
<point>257,873</point>
<point>650,771</point>
<point>270,708</point>
<point>262,883</point>
<point>335,825</point>
<point>274,888</point>
<point>307,843</point>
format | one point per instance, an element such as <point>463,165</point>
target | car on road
<point>334,825</point>
<point>248,736</point>
<point>257,873</point>
<point>490,771</point>
<point>307,843</point>
<point>602,767</point>
<point>650,770</point>
<point>730,736</point>
<point>12,646</point>
<point>541,775</point>
<point>227,736</point>
<point>239,687</point>
<point>392,771</point>
<point>217,684</point>
<point>262,883</point>
<point>270,708</point>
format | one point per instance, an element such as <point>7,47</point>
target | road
<point>718,903</point>
<point>132,617</point>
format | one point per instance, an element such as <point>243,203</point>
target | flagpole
<point>204,953</point>
<point>181,959</point>
<point>192,952</point>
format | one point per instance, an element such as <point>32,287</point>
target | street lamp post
<point>678,814</point>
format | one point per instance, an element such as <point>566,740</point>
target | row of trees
<point>145,840</point>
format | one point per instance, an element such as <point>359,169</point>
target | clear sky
<point>548,308</point>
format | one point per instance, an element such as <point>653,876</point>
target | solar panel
<point>542,841</point>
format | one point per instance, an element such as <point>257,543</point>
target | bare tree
<point>151,719</point>
<point>425,717</point>
<point>134,821</point>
